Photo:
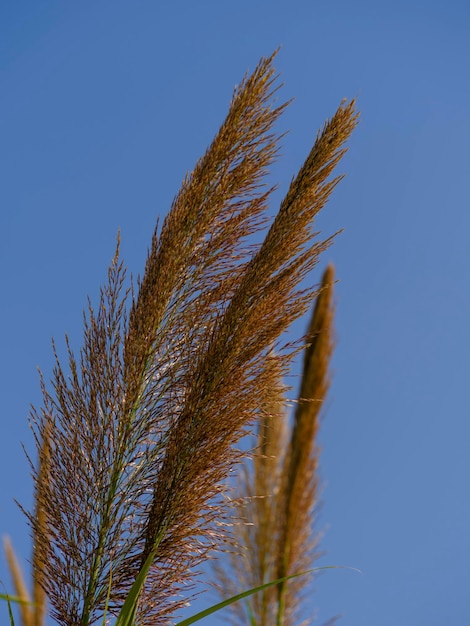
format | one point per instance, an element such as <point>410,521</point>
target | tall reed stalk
<point>138,431</point>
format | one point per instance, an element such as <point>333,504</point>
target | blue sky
<point>106,105</point>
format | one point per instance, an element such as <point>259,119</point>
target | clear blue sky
<point>106,104</point>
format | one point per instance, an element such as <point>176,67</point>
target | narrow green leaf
<point>245,594</point>
<point>127,613</point>
<point>16,599</point>
<point>9,599</point>
<point>10,612</point>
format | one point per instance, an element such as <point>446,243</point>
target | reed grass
<point>138,432</point>
<point>277,494</point>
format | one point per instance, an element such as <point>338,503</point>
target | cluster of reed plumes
<point>137,434</point>
<point>277,491</point>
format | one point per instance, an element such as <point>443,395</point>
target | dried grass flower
<point>138,431</point>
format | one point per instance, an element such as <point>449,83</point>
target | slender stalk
<point>19,584</point>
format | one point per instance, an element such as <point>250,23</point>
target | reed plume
<point>300,488</point>
<point>277,494</point>
<point>137,433</point>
